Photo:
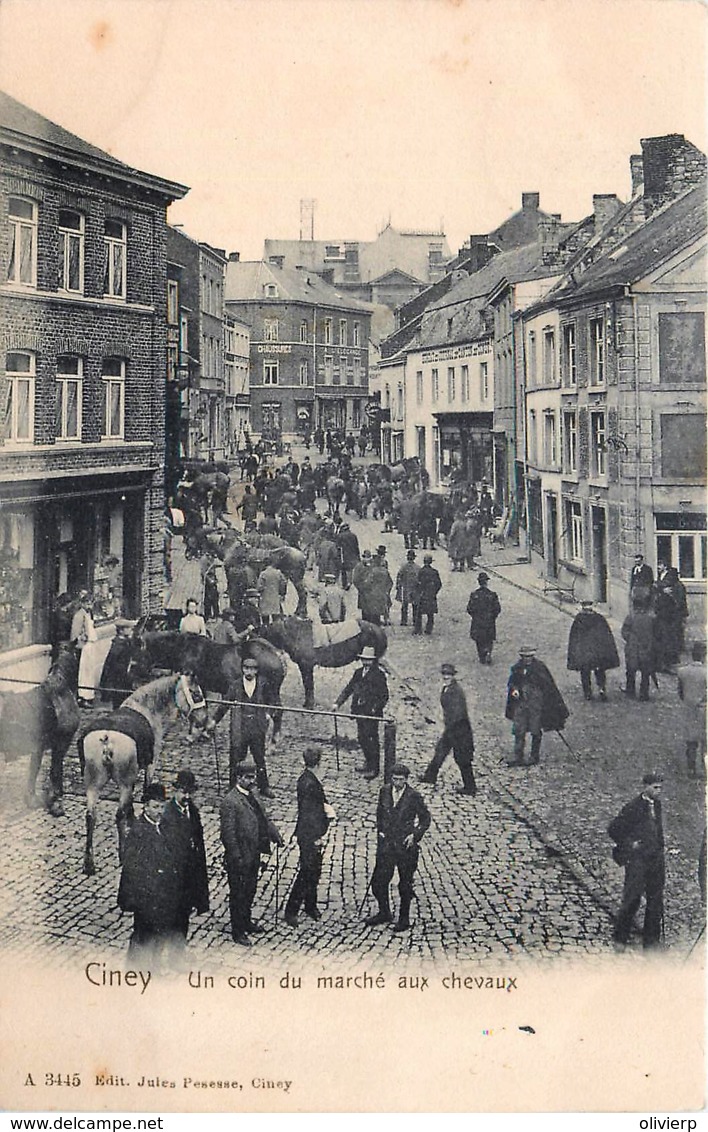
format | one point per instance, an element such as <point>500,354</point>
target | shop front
<point>466,449</point>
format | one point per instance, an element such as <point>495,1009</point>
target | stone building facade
<point>83,295</point>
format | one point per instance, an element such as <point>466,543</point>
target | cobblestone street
<point>523,870</point>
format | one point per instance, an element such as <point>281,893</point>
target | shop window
<point>16,571</point>
<point>681,542</point>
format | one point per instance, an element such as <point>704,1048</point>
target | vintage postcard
<point>353,556</point>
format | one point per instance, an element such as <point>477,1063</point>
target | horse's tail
<point>106,750</point>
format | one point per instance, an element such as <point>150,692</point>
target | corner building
<point>82,378</point>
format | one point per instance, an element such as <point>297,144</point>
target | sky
<point>418,112</point>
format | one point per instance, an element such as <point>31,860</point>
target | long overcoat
<point>591,643</point>
<point>553,710</point>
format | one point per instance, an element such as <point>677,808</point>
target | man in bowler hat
<point>483,607</point>
<point>457,734</point>
<point>639,836</point>
<point>533,704</point>
<point>246,833</point>
<point>402,819</point>
<point>313,817</point>
<point>368,689</point>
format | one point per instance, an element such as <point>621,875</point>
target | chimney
<point>604,207</point>
<point>234,257</point>
<point>636,168</point>
<point>671,165</point>
<point>548,235</point>
<point>530,200</point>
<point>479,253</point>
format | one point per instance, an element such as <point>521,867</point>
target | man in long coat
<point>483,607</point>
<point>591,648</point>
<point>182,822</point>
<point>313,818</point>
<point>639,834</point>
<point>639,649</point>
<point>249,723</point>
<point>348,545</point>
<point>457,734</point>
<point>246,833</point>
<point>368,689</point>
<point>692,693</point>
<point>533,704</point>
<point>115,683</point>
<point>150,883</point>
<point>425,601</point>
<point>402,820</point>
<point>272,586</point>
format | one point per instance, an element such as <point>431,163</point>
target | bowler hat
<point>366,554</point>
<point>411,555</point>
<point>368,653</point>
<point>251,593</point>
<point>448,669</point>
<point>185,780</point>
<point>527,650</point>
<point>244,768</point>
<point>381,549</point>
<point>482,577</point>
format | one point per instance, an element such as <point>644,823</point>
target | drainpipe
<point>639,549</point>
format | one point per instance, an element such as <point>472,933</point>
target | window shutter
<point>613,451</point>
<point>583,444</point>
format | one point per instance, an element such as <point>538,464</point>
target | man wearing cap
<point>533,704</point>
<point>591,648</point>
<point>248,615</point>
<point>114,683</point>
<point>639,836</point>
<point>457,734</point>
<point>313,817</point>
<point>249,723</point>
<point>182,822</point>
<point>406,585</point>
<point>331,602</point>
<point>246,833</point>
<point>402,819</point>
<point>425,597</point>
<point>150,883</point>
<point>368,689</point>
<point>483,607</point>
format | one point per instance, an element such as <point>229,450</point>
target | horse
<point>257,550</point>
<point>44,718</point>
<point>216,667</point>
<point>117,746</point>
<point>340,645</point>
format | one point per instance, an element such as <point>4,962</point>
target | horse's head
<point>190,701</point>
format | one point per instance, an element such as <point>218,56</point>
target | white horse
<point>119,745</point>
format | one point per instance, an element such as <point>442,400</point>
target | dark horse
<point>294,635</point>
<point>216,667</point>
<point>42,719</point>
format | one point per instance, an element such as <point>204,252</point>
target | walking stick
<point>562,737</point>
<point>216,760</point>
<point>695,942</point>
<point>336,741</point>
<point>363,899</point>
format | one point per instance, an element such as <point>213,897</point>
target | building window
<point>270,290</point>
<point>574,530</point>
<point>356,335</point>
<point>172,302</point>
<point>303,330</point>
<point>570,443</point>
<point>597,351</point>
<point>333,251</point>
<point>451,383</point>
<point>570,372</point>
<point>172,363</point>
<point>419,387</point>
<point>70,372</point>
<point>399,403</point>
<point>356,414</point>
<point>115,244</point>
<point>270,373</point>
<point>682,347</point>
<point>550,440</point>
<point>532,358</point>
<point>329,369</point>
<point>681,543</point>
<point>434,386</point>
<point>18,409</point>
<point>71,251</point>
<point>533,437</point>
<point>483,381</point>
<point>113,375</point>
<point>23,242</point>
<point>328,331</point>
<point>342,332</point>
<point>270,329</point>
<point>303,373</point>
<point>184,334</point>
<point>598,447</point>
<point>357,371</point>
<point>549,357</point>
<point>387,398</point>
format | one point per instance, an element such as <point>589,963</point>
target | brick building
<point>309,349</point>
<point>82,380</point>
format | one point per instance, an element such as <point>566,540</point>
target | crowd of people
<point>282,504</point>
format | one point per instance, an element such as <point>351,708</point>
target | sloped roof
<point>468,323</point>
<point>25,128</point>
<point>670,229</point>
<point>246,280</point>
<point>515,265</point>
